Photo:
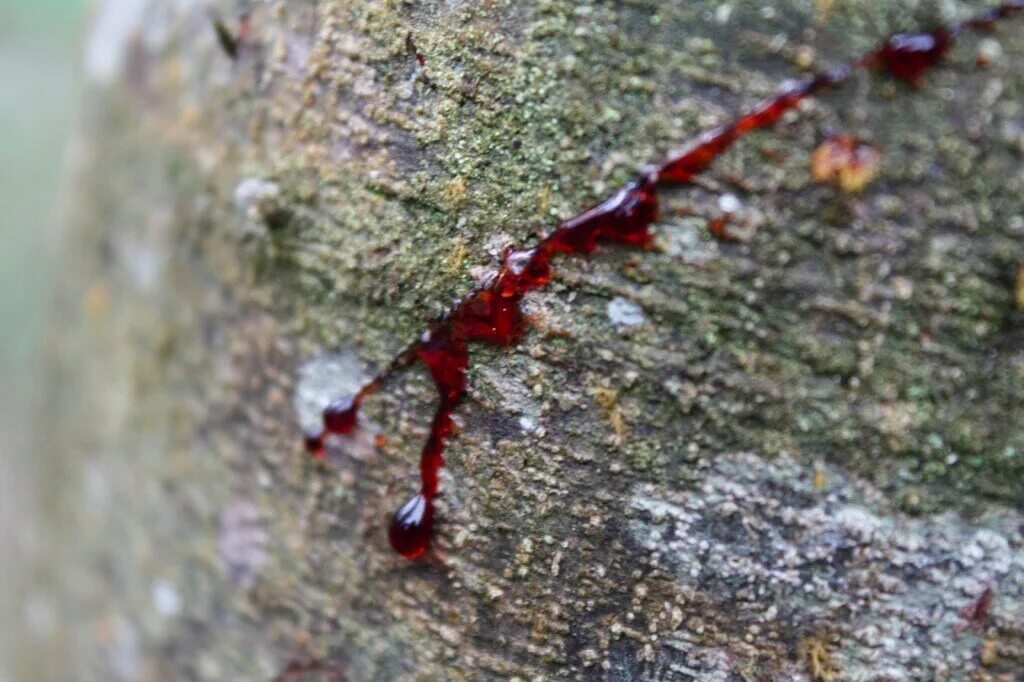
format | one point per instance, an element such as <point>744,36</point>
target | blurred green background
<point>38,45</point>
<point>39,42</point>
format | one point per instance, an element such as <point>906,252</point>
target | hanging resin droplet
<point>411,527</point>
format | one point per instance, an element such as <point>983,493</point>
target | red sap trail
<point>622,218</point>
<point>491,313</point>
<point>695,157</point>
<point>447,358</point>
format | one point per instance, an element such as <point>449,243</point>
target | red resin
<point>340,416</point>
<point>908,56</point>
<point>412,526</point>
<point>314,443</point>
<point>491,313</point>
<point>624,218</point>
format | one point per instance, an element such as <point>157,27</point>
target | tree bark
<point>796,456</point>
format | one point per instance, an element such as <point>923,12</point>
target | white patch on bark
<point>758,534</point>
<point>324,378</point>
<point>254,195</point>
<point>624,312</point>
<point>114,25</point>
<point>729,203</point>
<point>166,599</point>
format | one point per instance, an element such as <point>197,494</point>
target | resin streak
<point>491,313</point>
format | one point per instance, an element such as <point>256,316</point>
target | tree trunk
<point>795,456</point>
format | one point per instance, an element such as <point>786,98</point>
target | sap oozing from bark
<point>491,313</point>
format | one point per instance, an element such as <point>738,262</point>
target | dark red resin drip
<point>909,56</point>
<point>491,313</point>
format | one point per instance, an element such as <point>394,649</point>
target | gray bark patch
<point>797,553</point>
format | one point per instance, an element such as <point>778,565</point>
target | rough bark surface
<point>795,457</point>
